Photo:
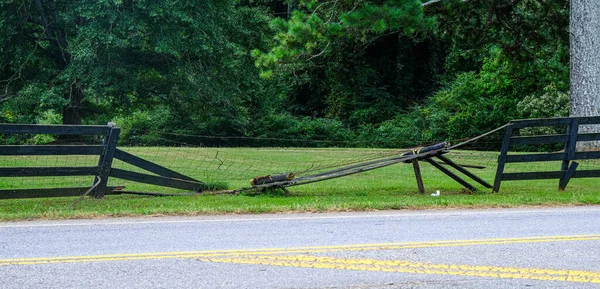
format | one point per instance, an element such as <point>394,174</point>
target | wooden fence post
<point>110,146</point>
<point>417,170</point>
<point>570,147</point>
<point>502,158</point>
<point>101,158</point>
<point>564,181</point>
<point>571,144</point>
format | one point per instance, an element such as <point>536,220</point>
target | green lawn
<point>393,187</point>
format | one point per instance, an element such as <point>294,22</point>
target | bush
<point>550,103</point>
<point>142,127</point>
<point>286,130</point>
<point>474,103</point>
<point>403,131</point>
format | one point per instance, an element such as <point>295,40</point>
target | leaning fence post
<point>569,155</point>
<point>110,146</point>
<point>502,158</point>
<point>571,144</point>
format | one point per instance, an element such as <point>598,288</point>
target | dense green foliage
<point>95,60</point>
<point>359,73</point>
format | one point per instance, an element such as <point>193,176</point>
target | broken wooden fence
<point>106,153</point>
<point>427,154</point>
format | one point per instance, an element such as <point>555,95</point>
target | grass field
<point>389,188</point>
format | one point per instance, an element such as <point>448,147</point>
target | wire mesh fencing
<point>232,167</point>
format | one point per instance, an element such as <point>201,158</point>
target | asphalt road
<point>499,248</point>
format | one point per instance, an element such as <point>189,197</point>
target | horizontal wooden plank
<point>532,176</point>
<point>150,166</point>
<point>587,174</point>
<point>540,139</point>
<point>522,123</point>
<point>546,157</point>
<point>548,175</point>
<point>156,180</point>
<point>589,120</point>
<point>39,150</point>
<point>54,129</point>
<point>587,155</point>
<point>588,136</point>
<point>47,193</point>
<point>48,171</point>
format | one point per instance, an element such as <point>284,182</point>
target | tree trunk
<point>585,64</point>
<point>72,112</point>
<point>59,53</point>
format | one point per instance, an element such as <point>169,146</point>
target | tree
<point>361,62</point>
<point>502,55</point>
<point>190,57</point>
<point>585,62</point>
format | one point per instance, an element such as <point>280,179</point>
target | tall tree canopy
<point>82,57</point>
<point>359,61</point>
<point>503,55</point>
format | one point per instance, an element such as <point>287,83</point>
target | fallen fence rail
<point>426,153</point>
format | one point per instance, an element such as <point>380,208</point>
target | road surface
<point>496,248</point>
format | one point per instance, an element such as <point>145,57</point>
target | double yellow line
<point>359,264</point>
<point>297,257</point>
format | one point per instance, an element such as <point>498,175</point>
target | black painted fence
<point>106,153</point>
<point>568,156</point>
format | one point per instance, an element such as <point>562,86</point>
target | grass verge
<point>390,188</point>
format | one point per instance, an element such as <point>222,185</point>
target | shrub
<point>405,130</point>
<point>550,103</point>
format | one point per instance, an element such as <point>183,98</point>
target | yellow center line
<point>398,266</point>
<point>300,250</point>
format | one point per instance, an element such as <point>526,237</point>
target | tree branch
<point>430,2</point>
<point>43,18</point>
<point>320,53</point>
<point>62,41</point>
